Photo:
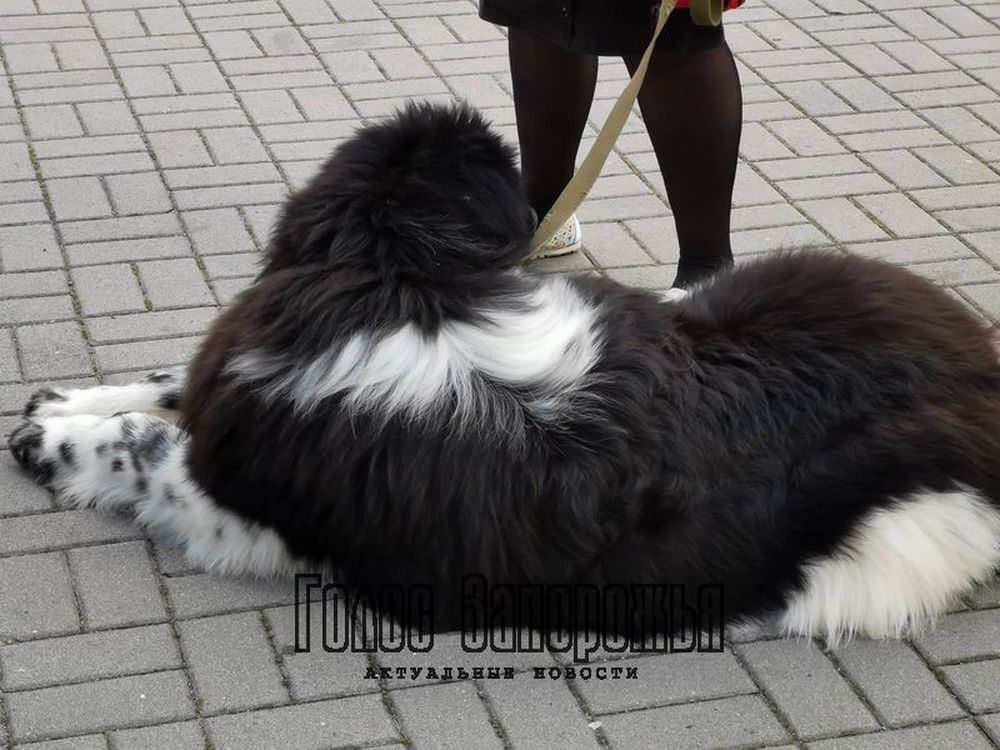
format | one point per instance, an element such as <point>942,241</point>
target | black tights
<point>692,106</point>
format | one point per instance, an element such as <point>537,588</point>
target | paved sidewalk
<point>144,146</point>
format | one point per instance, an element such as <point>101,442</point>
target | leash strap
<point>703,13</point>
<point>706,12</point>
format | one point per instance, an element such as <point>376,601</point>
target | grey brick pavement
<point>144,148</point>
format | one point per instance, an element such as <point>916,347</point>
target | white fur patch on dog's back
<point>544,345</point>
<point>903,566</point>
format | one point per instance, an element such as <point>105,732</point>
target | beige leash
<point>703,13</point>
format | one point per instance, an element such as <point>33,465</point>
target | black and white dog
<point>396,396</point>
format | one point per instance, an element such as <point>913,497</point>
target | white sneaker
<point>567,240</point>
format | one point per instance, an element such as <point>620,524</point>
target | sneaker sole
<point>568,250</point>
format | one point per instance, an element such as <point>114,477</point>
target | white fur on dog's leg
<point>674,294</point>
<point>158,393</point>
<point>903,566</point>
<point>216,539</point>
<point>83,458</point>
<point>136,462</point>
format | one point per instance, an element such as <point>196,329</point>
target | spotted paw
<point>26,445</point>
<point>41,403</point>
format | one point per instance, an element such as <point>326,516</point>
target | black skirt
<point>600,27</point>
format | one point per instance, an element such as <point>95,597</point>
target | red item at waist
<point>728,5</point>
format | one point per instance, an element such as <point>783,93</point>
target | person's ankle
<point>693,272</point>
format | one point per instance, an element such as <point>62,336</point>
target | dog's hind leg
<point>903,566</point>
<point>158,393</point>
<point>136,463</point>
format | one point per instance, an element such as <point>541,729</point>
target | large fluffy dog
<point>395,395</point>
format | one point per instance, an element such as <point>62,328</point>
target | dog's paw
<point>27,446</point>
<point>44,403</point>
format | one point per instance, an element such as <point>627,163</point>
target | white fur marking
<point>170,505</point>
<point>903,566</point>
<point>547,345</point>
<point>108,400</point>
<point>675,294</point>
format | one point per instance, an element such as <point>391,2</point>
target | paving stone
<point>976,684</point>
<point>142,193</point>
<point>428,716</point>
<point>842,220</point>
<point>962,636</point>
<point>66,528</point>
<point>17,162</point>
<point>956,164</point>
<point>235,145</point>
<point>238,265</point>
<point>146,355</point>
<point>150,325</point>
<point>181,736</point>
<point>80,54</point>
<point>984,296</point>
<point>32,284</point>
<point>955,272</point>
<point>807,688</point>
<point>29,58</point>
<point>646,277</point>
<point>316,673</point>
<point>52,121</point>
<point>324,103</point>
<point>610,245</point>
<point>181,148</point>
<point>228,678</point>
<point>81,658</point>
<point>203,594</point>
<point>147,81</point>
<point>103,704</point>
<point>35,309</point>
<point>992,725</point>
<point>539,713</point>
<point>78,198</point>
<point>904,169</point>
<point>271,106</point>
<point>315,726</point>
<point>107,118</point>
<point>19,494</point>
<point>116,585</point>
<point>37,596</point>
<point>730,722</point>
<point>897,683</point>
<point>121,228</point>
<point>9,368</point>
<point>917,250</point>
<point>668,678</point>
<point>227,289</point>
<point>88,742</point>
<point>198,77</point>
<point>940,737</point>
<point>175,283</point>
<point>107,288</point>
<point>55,350</point>
<point>900,215</point>
<point>128,250</point>
<point>116,24</point>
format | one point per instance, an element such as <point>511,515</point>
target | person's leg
<point>693,109</point>
<point>553,90</point>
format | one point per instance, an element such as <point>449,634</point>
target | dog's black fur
<point>729,437</point>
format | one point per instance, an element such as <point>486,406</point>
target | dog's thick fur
<point>818,432</point>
